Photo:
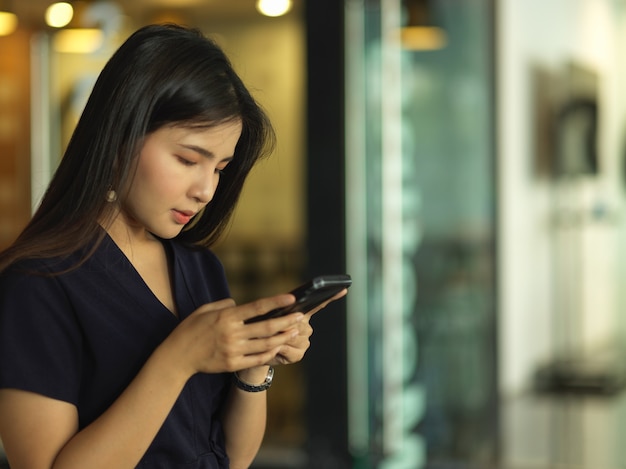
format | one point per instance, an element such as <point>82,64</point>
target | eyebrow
<point>204,152</point>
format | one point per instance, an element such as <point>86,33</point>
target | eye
<point>221,169</point>
<point>185,161</point>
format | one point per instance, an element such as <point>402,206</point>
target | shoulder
<point>45,267</point>
<point>40,335</point>
<point>40,291</point>
<point>27,274</point>
<point>29,288</point>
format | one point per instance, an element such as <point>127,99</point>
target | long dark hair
<point>161,75</point>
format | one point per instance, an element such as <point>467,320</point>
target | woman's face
<point>177,174</point>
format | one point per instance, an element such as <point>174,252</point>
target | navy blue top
<point>82,336</point>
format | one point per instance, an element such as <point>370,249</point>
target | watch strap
<point>254,387</point>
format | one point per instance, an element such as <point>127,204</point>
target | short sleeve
<point>40,338</point>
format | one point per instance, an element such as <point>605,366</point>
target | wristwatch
<point>252,387</point>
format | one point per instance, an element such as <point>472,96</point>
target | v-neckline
<point>146,291</point>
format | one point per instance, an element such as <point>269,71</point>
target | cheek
<point>154,180</point>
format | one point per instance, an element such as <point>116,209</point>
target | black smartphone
<point>309,295</point>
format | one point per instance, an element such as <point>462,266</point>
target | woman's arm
<point>245,414</point>
<point>41,433</point>
<point>244,419</point>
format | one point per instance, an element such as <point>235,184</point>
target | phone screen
<point>310,295</point>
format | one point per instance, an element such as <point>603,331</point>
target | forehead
<point>226,133</point>
<point>234,125</point>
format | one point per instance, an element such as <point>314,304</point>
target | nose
<point>204,189</point>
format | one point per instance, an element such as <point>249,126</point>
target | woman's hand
<point>215,339</point>
<point>293,351</point>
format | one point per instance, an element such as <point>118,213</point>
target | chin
<point>167,234</point>
<point>172,235</point>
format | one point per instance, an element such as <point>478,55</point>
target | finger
<point>252,360</point>
<point>271,327</point>
<point>265,344</point>
<point>294,350</point>
<point>305,328</point>
<point>288,354</point>
<point>264,305</point>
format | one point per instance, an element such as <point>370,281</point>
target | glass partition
<point>421,228</point>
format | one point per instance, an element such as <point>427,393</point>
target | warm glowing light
<point>59,14</point>
<point>423,38</point>
<point>8,23</point>
<point>78,41</point>
<point>273,7</point>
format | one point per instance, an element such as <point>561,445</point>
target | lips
<point>182,217</point>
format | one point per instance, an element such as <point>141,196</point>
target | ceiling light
<point>423,38</point>
<point>59,14</point>
<point>8,23</point>
<point>273,7</point>
<point>177,3</point>
<point>78,40</point>
<point>421,31</point>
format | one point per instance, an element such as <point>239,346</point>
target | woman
<point>119,345</point>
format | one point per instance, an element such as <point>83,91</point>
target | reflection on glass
<point>421,235</point>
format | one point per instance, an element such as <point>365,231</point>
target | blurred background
<point>463,160</point>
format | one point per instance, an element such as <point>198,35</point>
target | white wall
<point>551,33</point>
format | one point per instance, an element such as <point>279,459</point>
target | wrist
<point>168,368</point>
<point>249,380</point>
<point>255,375</point>
<point>169,355</point>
